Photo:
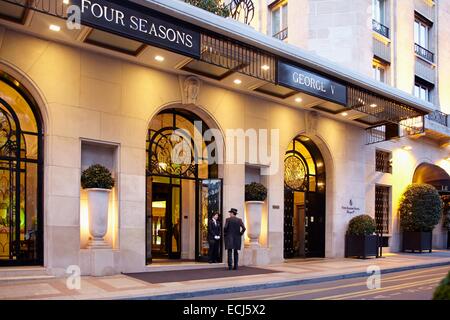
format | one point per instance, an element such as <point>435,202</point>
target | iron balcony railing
<point>424,53</point>
<point>282,35</point>
<point>380,28</point>
<point>439,117</point>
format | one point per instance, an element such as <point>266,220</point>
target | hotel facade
<point>335,106</point>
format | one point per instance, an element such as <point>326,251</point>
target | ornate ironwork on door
<point>304,200</point>
<point>20,176</point>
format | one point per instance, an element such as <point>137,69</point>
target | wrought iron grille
<point>439,117</point>
<point>383,161</point>
<point>382,207</point>
<point>424,53</point>
<point>380,107</point>
<point>238,58</point>
<point>282,35</point>
<point>380,28</point>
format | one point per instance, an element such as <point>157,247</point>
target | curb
<point>281,284</point>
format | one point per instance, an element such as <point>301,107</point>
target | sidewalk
<point>289,273</point>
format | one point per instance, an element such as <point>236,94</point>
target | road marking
<point>372,292</point>
<point>273,296</point>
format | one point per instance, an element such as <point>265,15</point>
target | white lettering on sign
<point>143,25</point>
<point>308,81</point>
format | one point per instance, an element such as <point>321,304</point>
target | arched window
<point>20,176</point>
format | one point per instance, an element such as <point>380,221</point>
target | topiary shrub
<point>442,292</point>
<point>420,208</point>
<point>97,176</point>
<point>363,225</point>
<point>214,6</point>
<point>255,192</point>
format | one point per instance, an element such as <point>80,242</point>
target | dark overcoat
<point>233,230</point>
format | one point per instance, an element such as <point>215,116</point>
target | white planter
<point>98,203</point>
<point>254,215</point>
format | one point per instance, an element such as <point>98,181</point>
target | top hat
<point>233,211</point>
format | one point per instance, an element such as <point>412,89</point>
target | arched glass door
<point>304,200</point>
<point>21,236</point>
<point>183,189</point>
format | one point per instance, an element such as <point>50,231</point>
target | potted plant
<point>420,210</point>
<point>255,195</point>
<point>98,182</point>
<point>442,292</point>
<point>360,240</point>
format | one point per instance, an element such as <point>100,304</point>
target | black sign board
<point>149,28</point>
<point>306,81</point>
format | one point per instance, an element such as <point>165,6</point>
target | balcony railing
<point>439,117</point>
<point>380,28</point>
<point>424,53</point>
<point>282,35</point>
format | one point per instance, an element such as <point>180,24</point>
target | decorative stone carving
<point>312,118</point>
<point>191,90</point>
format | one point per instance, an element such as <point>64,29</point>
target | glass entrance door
<point>209,203</point>
<point>165,222</point>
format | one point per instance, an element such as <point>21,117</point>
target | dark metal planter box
<point>361,246</point>
<point>417,241</point>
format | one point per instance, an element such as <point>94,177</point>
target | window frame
<point>379,69</point>
<point>418,87</point>
<point>283,10</point>
<point>422,39</point>
<point>379,11</point>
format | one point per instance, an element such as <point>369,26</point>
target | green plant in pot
<point>255,195</point>
<point>213,6</point>
<point>420,210</point>
<point>97,180</point>
<point>360,240</point>
<point>442,292</point>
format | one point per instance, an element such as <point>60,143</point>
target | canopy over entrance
<point>433,175</point>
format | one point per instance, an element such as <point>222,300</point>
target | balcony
<point>424,53</point>
<point>437,127</point>
<point>380,28</point>
<point>282,35</point>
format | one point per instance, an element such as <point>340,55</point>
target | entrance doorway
<point>304,200</point>
<point>21,176</point>
<point>183,188</point>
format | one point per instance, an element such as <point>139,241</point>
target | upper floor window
<point>422,34</point>
<point>280,20</point>
<point>422,91</point>
<point>379,11</point>
<point>379,71</point>
<point>383,161</point>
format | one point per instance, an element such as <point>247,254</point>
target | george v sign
<point>141,25</point>
<point>306,81</point>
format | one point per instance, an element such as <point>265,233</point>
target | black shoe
<point>210,261</point>
<point>229,267</point>
<point>235,268</point>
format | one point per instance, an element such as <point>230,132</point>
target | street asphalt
<point>406,285</point>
